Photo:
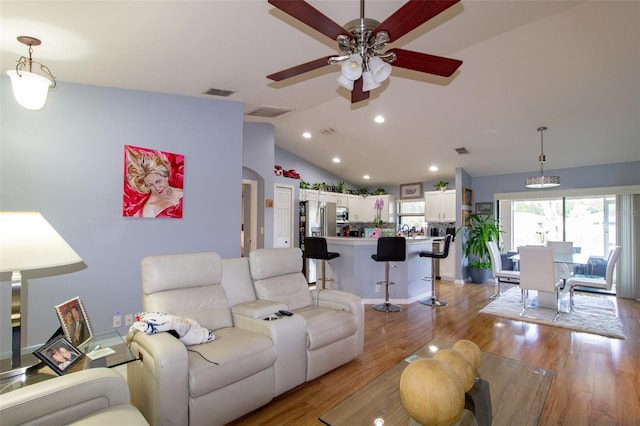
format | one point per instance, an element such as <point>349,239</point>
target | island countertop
<point>356,272</point>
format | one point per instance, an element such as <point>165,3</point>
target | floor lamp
<point>27,242</point>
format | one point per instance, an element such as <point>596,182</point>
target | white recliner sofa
<point>251,360</point>
<point>94,397</point>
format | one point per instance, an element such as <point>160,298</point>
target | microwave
<point>342,215</point>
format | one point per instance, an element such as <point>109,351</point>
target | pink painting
<point>153,183</point>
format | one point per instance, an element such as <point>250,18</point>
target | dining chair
<point>600,283</point>
<point>561,249</point>
<point>496,268</point>
<point>537,272</point>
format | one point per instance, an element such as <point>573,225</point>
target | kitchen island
<point>356,272</point>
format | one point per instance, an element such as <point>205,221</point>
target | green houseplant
<point>441,186</point>
<point>482,230</point>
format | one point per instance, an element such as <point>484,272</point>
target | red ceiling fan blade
<point>411,15</point>
<point>357,94</point>
<point>300,69</point>
<point>307,14</point>
<point>423,62</point>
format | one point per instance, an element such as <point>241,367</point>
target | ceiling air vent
<point>219,92</point>
<point>461,151</point>
<point>328,131</point>
<point>268,112</point>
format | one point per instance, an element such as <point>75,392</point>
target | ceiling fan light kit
<point>362,42</point>
<point>542,181</point>
<point>30,89</point>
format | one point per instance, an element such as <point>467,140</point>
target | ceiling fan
<point>362,41</point>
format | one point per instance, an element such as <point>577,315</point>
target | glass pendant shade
<point>352,67</point>
<point>345,82</point>
<point>380,70</point>
<point>29,89</point>
<point>368,83</point>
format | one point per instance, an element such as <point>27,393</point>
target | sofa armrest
<point>344,301</point>
<point>65,399</point>
<point>159,380</point>
<point>257,308</point>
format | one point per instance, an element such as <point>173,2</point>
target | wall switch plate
<point>378,286</point>
<point>117,321</point>
<point>128,319</point>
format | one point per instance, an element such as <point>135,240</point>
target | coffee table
<point>518,392</point>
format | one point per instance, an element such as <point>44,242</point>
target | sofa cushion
<point>233,356</point>
<point>326,326</point>
<point>277,275</point>
<point>236,280</point>
<point>186,285</point>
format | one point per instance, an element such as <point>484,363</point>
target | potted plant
<point>441,186</point>
<point>482,230</point>
<point>342,187</point>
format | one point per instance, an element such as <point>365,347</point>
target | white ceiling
<point>571,66</point>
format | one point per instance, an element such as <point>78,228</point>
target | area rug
<point>591,314</point>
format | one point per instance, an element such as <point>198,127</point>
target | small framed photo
<point>484,208</point>
<point>410,191</point>
<point>59,354</point>
<point>467,197</point>
<point>74,321</point>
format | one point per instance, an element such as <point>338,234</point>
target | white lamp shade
<point>368,83</point>
<point>28,241</point>
<point>379,69</point>
<point>29,89</point>
<point>352,67</point>
<point>345,82</point>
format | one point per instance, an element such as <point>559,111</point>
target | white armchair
<point>496,268</point>
<point>599,283</point>
<point>96,397</point>
<point>537,272</point>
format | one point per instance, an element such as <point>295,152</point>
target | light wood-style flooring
<point>596,379</point>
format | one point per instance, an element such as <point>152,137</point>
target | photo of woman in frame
<point>59,354</point>
<point>74,321</point>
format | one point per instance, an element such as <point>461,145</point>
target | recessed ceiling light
<point>433,168</point>
<point>336,160</point>
<point>367,177</point>
<point>379,119</point>
<point>306,135</point>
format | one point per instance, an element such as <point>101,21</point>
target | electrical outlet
<point>128,319</point>
<point>117,319</point>
<point>378,287</point>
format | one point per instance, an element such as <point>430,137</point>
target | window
<point>411,213</point>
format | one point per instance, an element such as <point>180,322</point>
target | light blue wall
<point>66,161</point>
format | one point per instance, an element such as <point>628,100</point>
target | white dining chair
<point>562,249</point>
<point>496,268</point>
<point>537,272</point>
<point>600,283</point>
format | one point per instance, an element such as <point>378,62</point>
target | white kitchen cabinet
<point>308,195</point>
<point>440,206</point>
<point>338,198</point>
<point>361,209</point>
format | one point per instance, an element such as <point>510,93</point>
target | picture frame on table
<point>59,354</point>
<point>485,209</point>
<point>74,322</point>
<point>467,197</point>
<point>409,191</point>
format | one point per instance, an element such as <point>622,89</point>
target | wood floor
<point>596,379</point>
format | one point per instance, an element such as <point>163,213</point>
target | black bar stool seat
<point>316,248</point>
<point>433,301</point>
<point>390,249</point>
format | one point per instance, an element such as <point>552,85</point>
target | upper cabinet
<point>361,209</point>
<point>338,198</point>
<point>308,195</point>
<point>440,206</point>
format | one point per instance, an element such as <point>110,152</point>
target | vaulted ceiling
<point>573,66</point>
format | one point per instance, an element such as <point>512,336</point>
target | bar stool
<point>390,249</point>
<point>433,301</point>
<point>316,248</point>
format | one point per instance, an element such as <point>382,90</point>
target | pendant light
<point>30,89</point>
<point>542,181</point>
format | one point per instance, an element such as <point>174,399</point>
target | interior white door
<point>283,216</point>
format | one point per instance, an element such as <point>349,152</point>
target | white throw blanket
<point>189,331</point>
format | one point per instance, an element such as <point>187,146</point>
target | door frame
<point>253,213</point>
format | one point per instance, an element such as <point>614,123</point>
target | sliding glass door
<point>591,224</point>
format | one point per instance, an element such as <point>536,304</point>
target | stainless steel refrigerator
<point>321,222</point>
